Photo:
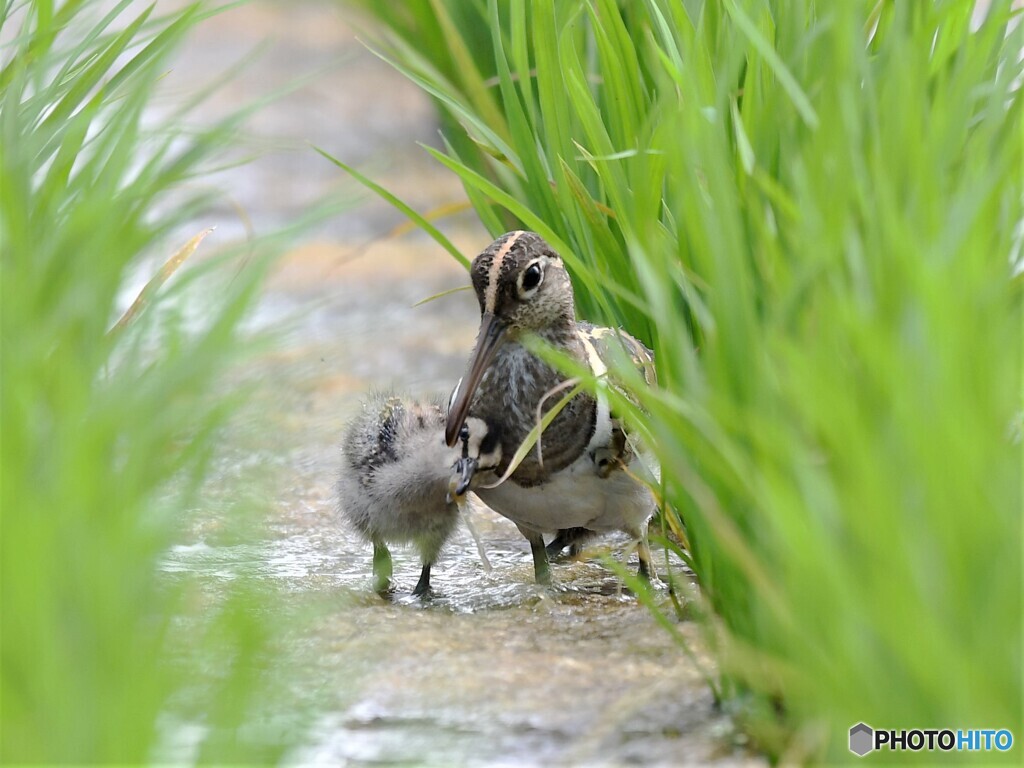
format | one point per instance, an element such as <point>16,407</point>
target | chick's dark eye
<point>532,276</point>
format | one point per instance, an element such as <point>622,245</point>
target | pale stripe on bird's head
<point>494,273</point>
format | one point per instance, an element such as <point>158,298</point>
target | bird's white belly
<point>576,497</point>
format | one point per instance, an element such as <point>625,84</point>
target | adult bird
<point>587,478</point>
<point>400,482</point>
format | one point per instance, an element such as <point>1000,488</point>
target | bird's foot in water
<point>382,569</point>
<point>422,589</point>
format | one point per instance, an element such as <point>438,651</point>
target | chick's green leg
<point>381,567</point>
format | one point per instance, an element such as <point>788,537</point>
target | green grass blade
<point>765,49</point>
<point>422,222</point>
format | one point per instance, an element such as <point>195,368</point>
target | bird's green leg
<point>541,569</point>
<point>381,567</point>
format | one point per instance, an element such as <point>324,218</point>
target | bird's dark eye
<point>532,277</point>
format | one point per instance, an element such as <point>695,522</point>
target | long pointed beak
<point>488,341</point>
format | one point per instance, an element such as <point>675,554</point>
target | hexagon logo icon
<point>862,739</point>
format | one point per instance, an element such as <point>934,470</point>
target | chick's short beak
<point>465,468</point>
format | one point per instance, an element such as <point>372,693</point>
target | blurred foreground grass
<point>109,432</point>
<point>813,212</point>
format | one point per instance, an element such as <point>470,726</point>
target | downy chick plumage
<point>399,482</point>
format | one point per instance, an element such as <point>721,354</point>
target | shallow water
<point>491,669</point>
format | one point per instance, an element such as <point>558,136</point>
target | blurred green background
<point>812,211</point>
<point>110,418</point>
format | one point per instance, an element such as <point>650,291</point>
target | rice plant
<point>813,212</point>
<point>109,421</point>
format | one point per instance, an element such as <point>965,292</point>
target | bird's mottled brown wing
<point>605,339</point>
<point>608,343</point>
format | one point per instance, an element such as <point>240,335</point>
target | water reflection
<point>333,557</point>
<point>490,669</point>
